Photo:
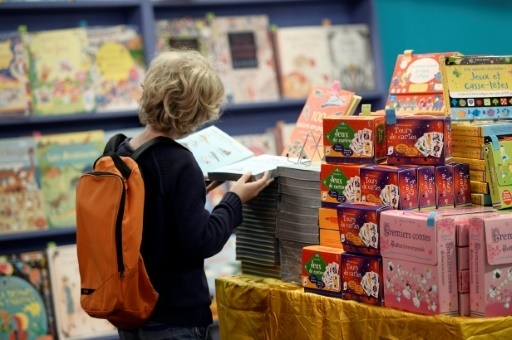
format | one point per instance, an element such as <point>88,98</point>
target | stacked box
<point>339,183</point>
<point>444,184</point>
<point>362,278</point>
<point>461,184</point>
<point>321,270</point>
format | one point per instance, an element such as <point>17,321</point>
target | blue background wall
<point>465,26</point>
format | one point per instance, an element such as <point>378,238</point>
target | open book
<point>258,165</point>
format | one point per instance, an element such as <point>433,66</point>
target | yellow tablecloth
<point>259,308</point>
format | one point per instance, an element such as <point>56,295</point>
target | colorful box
<point>354,139</point>
<point>339,183</point>
<point>444,184</point>
<point>463,281</point>
<point>362,278</point>
<point>418,251</point>
<point>490,265</point>
<point>498,160</point>
<point>464,304</point>
<point>461,184</point>
<point>359,227</point>
<point>421,140</point>
<point>330,238</point>
<point>328,218</point>
<point>389,185</point>
<point>321,270</point>
<point>425,175</point>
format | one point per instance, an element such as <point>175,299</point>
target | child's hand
<point>248,190</point>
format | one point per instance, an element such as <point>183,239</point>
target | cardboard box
<point>330,238</point>
<point>425,175</point>
<point>490,265</point>
<point>354,139</point>
<point>461,184</point>
<point>362,278</point>
<point>359,227</point>
<point>328,218</point>
<point>418,251</point>
<point>421,140</point>
<point>464,304</point>
<point>444,184</point>
<point>339,183</point>
<point>389,185</point>
<point>321,270</point>
<point>498,161</point>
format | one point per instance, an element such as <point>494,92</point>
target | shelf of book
<point>59,5</point>
<point>36,240</point>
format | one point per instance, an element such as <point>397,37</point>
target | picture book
<point>417,85</point>
<point>306,139</point>
<point>118,66</point>
<point>481,128</point>
<point>478,87</point>
<point>72,322</point>
<point>243,56</point>
<point>302,58</point>
<point>62,159</point>
<point>259,143</point>
<point>352,57</point>
<point>498,162</point>
<point>183,33</point>
<point>258,165</point>
<point>14,85</point>
<point>213,148</point>
<point>26,310</point>
<point>21,198</point>
<point>59,72</point>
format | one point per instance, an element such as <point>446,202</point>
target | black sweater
<point>179,233</point>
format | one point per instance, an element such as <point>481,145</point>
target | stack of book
<point>469,143</point>
<point>297,215</point>
<point>256,245</point>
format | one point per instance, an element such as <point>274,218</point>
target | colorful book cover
<point>183,33</point>
<point>62,159</point>
<point>302,59</point>
<point>59,72</point>
<point>118,66</point>
<point>352,56</point>
<point>213,148</point>
<point>243,56</point>
<point>306,139</point>
<point>14,85</point>
<point>478,87</point>
<point>498,162</point>
<point>259,143</point>
<point>26,310</point>
<point>21,199</point>
<point>416,84</point>
<point>482,128</point>
<point>72,322</point>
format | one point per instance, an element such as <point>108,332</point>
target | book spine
<point>474,164</point>
<point>481,199</point>
<point>479,187</point>
<point>467,152</point>
<point>470,141</point>
<point>466,130</point>
<point>493,180</point>
<point>478,175</point>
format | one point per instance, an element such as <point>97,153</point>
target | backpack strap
<point>144,147</point>
<point>113,143</point>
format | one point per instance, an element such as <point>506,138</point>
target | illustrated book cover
<point>417,85</point>
<point>258,165</point>
<point>14,85</point>
<point>243,56</point>
<point>184,33</point>
<point>62,159</point>
<point>118,66</point>
<point>59,72</point>
<point>478,87</point>
<point>498,163</point>
<point>72,322</point>
<point>26,310</point>
<point>21,198</point>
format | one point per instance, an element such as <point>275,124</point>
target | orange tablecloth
<point>258,308</point>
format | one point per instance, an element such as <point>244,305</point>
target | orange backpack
<point>109,220</point>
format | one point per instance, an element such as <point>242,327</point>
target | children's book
<point>478,87</point>
<point>498,162</point>
<point>303,59</point>
<point>258,165</point>
<point>26,307</point>
<point>59,72</point>
<point>482,128</point>
<point>306,139</point>
<point>244,58</point>
<point>14,85</point>
<point>72,322</point>
<point>417,85</point>
<point>118,66</point>
<point>259,143</point>
<point>184,33</point>
<point>62,159</point>
<point>213,148</point>
<point>21,198</point>
<point>352,56</point>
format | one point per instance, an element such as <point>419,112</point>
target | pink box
<point>464,304</point>
<point>463,281</point>
<point>463,258</point>
<point>490,265</point>
<point>419,258</point>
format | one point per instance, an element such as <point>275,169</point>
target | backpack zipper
<point>119,221</point>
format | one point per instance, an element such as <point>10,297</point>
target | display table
<point>259,308</point>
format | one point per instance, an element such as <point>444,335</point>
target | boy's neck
<point>147,134</point>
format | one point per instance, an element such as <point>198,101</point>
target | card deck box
<point>354,139</point>
<point>490,265</point>
<point>419,262</point>
<point>425,175</point>
<point>328,218</point>
<point>461,184</point>
<point>339,183</point>
<point>444,184</point>
<point>321,270</point>
<point>498,162</point>
<point>362,278</point>
<point>390,185</point>
<point>330,238</point>
<point>416,139</point>
<point>359,227</point>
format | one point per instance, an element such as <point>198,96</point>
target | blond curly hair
<point>181,92</point>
